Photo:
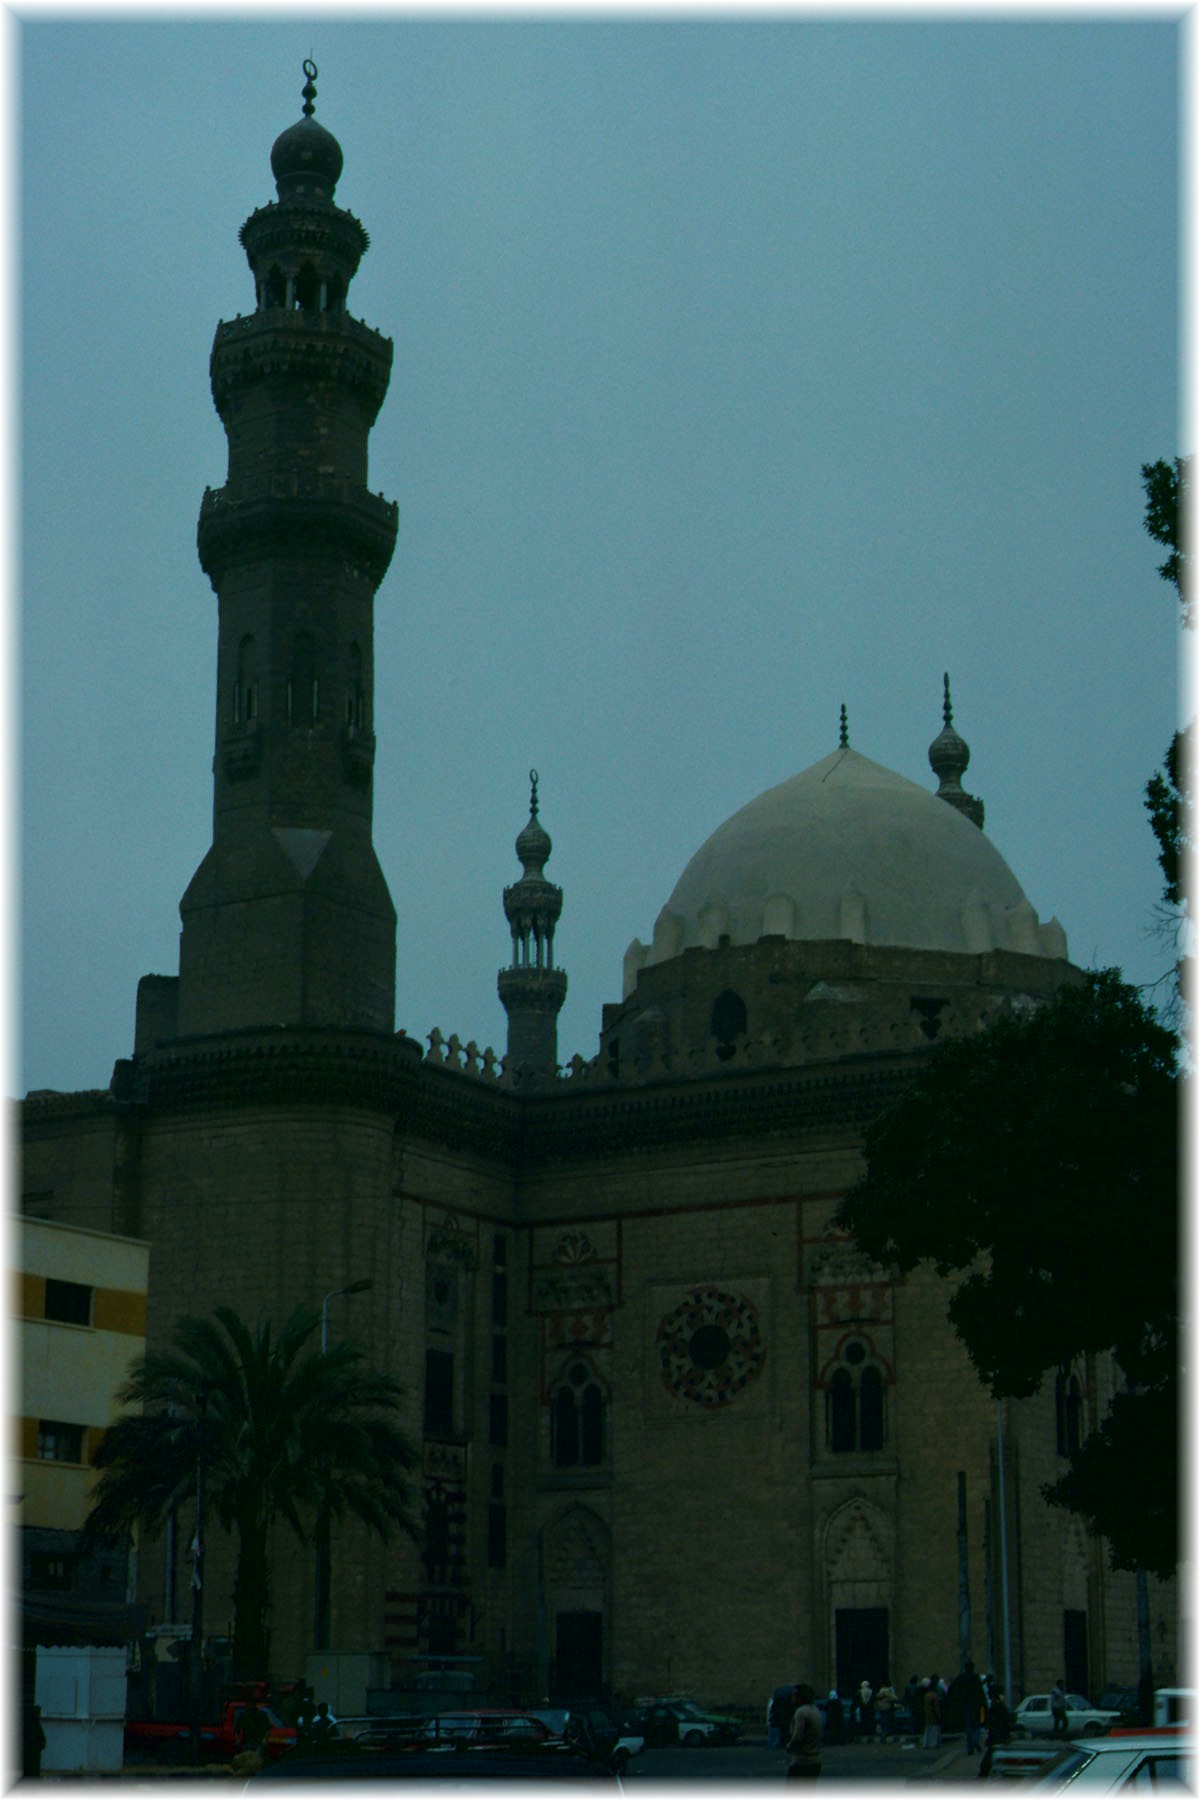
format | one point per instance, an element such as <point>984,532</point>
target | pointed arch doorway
<point>575,1584</point>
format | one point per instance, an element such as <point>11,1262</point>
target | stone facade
<point>675,1432</point>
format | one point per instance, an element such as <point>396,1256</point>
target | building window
<point>1068,1414</point>
<point>245,692</point>
<point>439,1394</point>
<point>47,1570</point>
<point>58,1442</point>
<point>497,1521</point>
<point>727,1022</point>
<point>437,1536</point>
<point>68,1302</point>
<point>577,1420</point>
<point>854,1411</point>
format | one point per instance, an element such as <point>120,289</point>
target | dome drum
<point>780,1002</point>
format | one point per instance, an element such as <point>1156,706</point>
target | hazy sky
<point>742,368</point>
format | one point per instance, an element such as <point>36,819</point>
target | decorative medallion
<point>710,1347</point>
<point>574,1247</point>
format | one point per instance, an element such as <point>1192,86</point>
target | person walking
<point>804,1744</point>
<point>999,1730</point>
<point>1058,1709</point>
<point>933,1716</point>
<point>834,1717</point>
<point>974,1703</point>
<point>866,1710</point>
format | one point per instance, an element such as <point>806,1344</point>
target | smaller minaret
<point>948,758</point>
<point>532,990</point>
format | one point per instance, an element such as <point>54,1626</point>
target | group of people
<point>971,1703</point>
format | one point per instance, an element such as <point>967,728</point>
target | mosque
<point>675,1432</point>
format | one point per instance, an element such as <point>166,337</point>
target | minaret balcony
<point>289,343</point>
<point>530,989</point>
<point>296,514</point>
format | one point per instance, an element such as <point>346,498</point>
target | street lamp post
<point>321,1597</point>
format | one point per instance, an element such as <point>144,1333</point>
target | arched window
<point>302,683</point>
<point>727,1022</point>
<point>245,689</point>
<point>355,705</point>
<point>854,1409</point>
<point>308,289</point>
<point>275,288</point>
<point>577,1425</point>
<point>840,1410</point>
<point>1068,1413</point>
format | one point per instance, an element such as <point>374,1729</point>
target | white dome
<point>847,849</point>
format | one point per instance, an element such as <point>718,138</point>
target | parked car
<point>1123,1700</point>
<point>675,1721</point>
<point>486,1725</point>
<point>1140,1759</point>
<point>1033,1718</point>
<point>595,1730</point>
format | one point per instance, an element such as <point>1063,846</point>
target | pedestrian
<point>999,1729</point>
<point>33,1740</point>
<point>914,1700</point>
<point>323,1727</point>
<point>933,1715</point>
<point>866,1710</point>
<point>804,1744</point>
<point>304,1721</point>
<point>777,1717</point>
<point>966,1702</point>
<point>1058,1709</point>
<point>885,1703</point>
<point>834,1718</point>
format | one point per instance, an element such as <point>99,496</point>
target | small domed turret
<point>948,758</point>
<point>306,159</point>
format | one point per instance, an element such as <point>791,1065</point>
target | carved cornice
<point>256,1068</point>
<point>325,347</point>
<point>296,515</point>
<point>440,1105</point>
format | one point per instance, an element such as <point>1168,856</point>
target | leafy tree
<point>1169,797</point>
<point>1038,1162</point>
<point>282,1429</point>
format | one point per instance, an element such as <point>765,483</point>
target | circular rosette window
<point>710,1347</point>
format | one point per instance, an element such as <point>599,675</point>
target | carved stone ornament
<point>710,1347</point>
<point>574,1247</point>
<point>571,1289</point>
<point>839,1263</point>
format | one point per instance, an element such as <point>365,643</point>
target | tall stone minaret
<point>288,920</point>
<point>532,990</point>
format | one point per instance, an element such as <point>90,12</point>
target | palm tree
<point>283,1430</point>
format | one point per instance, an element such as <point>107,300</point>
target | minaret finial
<point>533,784</point>
<point>948,758</point>
<point>844,738</point>
<point>309,91</point>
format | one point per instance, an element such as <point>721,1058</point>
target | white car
<point>1142,1760</point>
<point>1033,1718</point>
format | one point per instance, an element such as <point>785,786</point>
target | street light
<point>321,1608</point>
<point>355,1287</point>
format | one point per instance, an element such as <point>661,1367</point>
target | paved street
<point>753,1761</point>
